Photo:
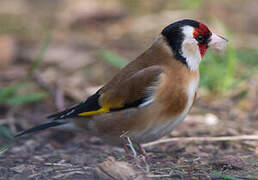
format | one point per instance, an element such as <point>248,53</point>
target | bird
<point>151,95</point>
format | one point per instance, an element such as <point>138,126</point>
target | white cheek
<point>190,48</point>
<point>191,51</point>
<point>188,31</point>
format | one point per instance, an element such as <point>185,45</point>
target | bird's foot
<point>138,152</point>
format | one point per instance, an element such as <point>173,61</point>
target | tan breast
<point>177,88</point>
<point>171,104</point>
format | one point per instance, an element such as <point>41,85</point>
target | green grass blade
<point>112,58</point>
<point>40,57</point>
<point>5,132</point>
<point>4,147</point>
<point>7,92</point>
<point>25,98</point>
<point>224,176</point>
<point>231,63</point>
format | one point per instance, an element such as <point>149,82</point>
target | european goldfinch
<point>150,96</point>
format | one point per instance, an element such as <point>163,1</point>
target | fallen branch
<point>211,139</point>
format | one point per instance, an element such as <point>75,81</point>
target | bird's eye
<point>200,39</point>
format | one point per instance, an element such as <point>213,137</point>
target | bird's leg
<point>142,150</point>
<point>126,148</point>
<point>130,144</point>
<point>139,149</point>
<point>145,158</point>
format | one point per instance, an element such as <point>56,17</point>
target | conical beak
<point>217,42</point>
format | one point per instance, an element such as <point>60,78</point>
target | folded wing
<point>116,95</point>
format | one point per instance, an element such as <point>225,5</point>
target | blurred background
<point>54,54</point>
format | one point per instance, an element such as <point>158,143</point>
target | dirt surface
<point>82,41</point>
<point>56,154</point>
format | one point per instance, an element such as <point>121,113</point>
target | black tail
<point>42,127</point>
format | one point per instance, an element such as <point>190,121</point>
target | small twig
<point>170,175</point>
<point>59,164</point>
<point>69,170</point>
<point>63,175</point>
<point>211,139</point>
<point>59,95</point>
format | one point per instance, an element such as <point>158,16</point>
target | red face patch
<point>205,33</point>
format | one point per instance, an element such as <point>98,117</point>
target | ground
<point>66,50</point>
<point>56,154</point>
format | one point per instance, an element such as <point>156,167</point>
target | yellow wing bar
<point>90,113</point>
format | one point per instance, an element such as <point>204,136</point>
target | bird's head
<point>189,40</point>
